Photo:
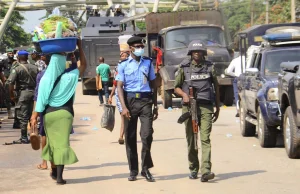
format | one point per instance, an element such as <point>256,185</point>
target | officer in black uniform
<point>136,74</point>
<point>24,75</point>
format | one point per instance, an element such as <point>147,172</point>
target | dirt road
<point>240,164</point>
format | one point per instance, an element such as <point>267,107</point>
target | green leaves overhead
<point>14,36</point>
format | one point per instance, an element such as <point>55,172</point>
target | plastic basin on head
<point>57,45</point>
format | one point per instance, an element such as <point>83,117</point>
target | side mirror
<point>252,72</point>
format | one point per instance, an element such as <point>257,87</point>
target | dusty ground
<point>240,164</point>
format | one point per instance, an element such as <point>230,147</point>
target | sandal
<point>121,141</point>
<point>40,167</point>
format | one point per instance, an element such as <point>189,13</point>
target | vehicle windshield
<point>181,38</point>
<point>275,58</point>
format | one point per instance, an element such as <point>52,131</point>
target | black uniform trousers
<point>139,108</point>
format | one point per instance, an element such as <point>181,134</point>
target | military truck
<point>99,38</point>
<point>289,99</point>
<point>171,32</point>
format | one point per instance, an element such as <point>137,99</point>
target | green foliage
<point>238,13</point>
<point>141,25</point>
<point>14,36</point>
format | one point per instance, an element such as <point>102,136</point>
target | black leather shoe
<point>148,176</point>
<point>132,178</point>
<point>193,175</point>
<point>207,176</point>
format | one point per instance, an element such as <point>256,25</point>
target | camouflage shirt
<point>22,79</point>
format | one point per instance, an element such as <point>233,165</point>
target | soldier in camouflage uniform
<point>198,73</point>
<point>6,71</point>
<point>24,75</point>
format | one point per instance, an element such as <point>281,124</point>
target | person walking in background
<point>45,59</point>
<point>55,100</point>
<point>123,56</point>
<point>7,71</point>
<point>102,79</point>
<point>235,70</point>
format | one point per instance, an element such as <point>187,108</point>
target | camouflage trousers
<point>205,112</point>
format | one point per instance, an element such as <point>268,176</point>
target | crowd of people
<point>46,92</point>
<point>42,88</point>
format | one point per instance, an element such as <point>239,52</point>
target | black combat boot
<point>207,176</point>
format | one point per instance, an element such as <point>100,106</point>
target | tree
<point>14,35</point>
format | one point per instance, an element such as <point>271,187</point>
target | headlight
<point>222,76</point>
<point>273,94</point>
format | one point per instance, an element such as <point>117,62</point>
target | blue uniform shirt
<point>131,73</point>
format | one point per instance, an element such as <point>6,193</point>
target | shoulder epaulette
<point>124,60</point>
<point>147,58</point>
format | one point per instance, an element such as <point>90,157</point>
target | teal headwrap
<point>65,88</point>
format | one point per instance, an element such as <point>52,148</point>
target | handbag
<point>100,83</point>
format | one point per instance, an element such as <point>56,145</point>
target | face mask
<point>138,52</point>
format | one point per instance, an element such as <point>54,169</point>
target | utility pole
<point>293,11</point>
<point>252,12</point>
<point>200,4</point>
<point>267,11</point>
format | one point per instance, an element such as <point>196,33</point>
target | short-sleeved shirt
<point>103,70</point>
<point>136,75</point>
<point>179,78</point>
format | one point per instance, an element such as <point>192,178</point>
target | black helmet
<point>197,45</point>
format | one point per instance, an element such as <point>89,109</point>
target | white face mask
<point>138,52</point>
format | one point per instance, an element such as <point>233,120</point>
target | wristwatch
<point>155,107</point>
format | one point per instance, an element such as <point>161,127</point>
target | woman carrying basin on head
<point>55,101</point>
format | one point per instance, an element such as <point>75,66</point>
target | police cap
<point>22,53</point>
<point>135,40</point>
<point>196,45</point>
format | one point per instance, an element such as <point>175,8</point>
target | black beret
<point>135,40</point>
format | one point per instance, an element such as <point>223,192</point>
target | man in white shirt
<point>235,70</point>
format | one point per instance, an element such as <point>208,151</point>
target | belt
<point>138,95</point>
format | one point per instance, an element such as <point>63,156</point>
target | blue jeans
<point>235,90</point>
<point>106,92</point>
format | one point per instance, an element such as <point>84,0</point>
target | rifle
<point>193,109</point>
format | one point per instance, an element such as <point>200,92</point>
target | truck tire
<point>291,140</point>
<point>228,96</point>
<point>247,129</point>
<point>267,135</point>
<point>166,96</point>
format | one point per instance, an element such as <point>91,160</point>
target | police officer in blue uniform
<point>139,100</point>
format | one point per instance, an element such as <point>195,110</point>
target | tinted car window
<point>275,58</point>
